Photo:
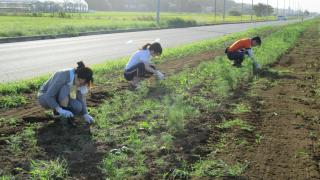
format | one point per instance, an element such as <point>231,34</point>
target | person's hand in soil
<point>159,75</point>
<point>64,113</point>
<point>88,118</point>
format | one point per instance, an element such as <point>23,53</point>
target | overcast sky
<point>310,5</point>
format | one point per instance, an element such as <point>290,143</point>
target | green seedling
<point>217,168</point>
<point>241,108</point>
<point>259,137</point>
<point>53,169</point>
<point>236,123</point>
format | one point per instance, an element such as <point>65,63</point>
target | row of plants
<point>149,124</point>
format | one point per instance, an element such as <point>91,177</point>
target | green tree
<point>263,10</point>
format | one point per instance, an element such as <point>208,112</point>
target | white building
<point>43,6</point>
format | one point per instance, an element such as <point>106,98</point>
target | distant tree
<point>263,10</point>
<point>306,13</point>
<point>234,13</point>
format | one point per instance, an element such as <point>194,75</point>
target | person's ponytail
<point>80,65</point>
<point>156,47</point>
<point>146,46</point>
<point>85,73</point>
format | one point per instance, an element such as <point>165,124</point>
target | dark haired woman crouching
<point>139,65</point>
<point>65,92</point>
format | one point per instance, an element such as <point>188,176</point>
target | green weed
<point>241,108</point>
<point>236,123</point>
<point>121,166</point>
<point>53,169</point>
<point>167,140</point>
<point>9,101</point>
<point>302,154</point>
<point>7,177</point>
<point>259,137</point>
<point>24,142</point>
<point>217,168</point>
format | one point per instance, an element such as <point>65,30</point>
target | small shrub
<point>235,13</point>
<point>177,111</point>
<point>179,22</point>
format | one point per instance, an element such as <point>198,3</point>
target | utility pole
<point>293,8</point>
<point>289,8</point>
<point>215,10</point>
<point>277,7</point>
<point>224,10</point>
<point>158,12</point>
<point>241,9</point>
<point>284,7</point>
<point>267,9</point>
<point>252,11</point>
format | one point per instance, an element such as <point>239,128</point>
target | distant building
<point>43,6</point>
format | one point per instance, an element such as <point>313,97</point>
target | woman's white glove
<point>83,90</point>
<point>159,75</point>
<point>88,118</point>
<point>257,66</point>
<point>64,113</point>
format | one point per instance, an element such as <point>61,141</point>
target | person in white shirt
<point>139,65</point>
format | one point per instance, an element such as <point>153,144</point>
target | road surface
<point>24,60</point>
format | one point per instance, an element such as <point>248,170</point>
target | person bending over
<point>237,51</point>
<point>139,65</point>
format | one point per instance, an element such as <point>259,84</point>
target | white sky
<point>310,5</point>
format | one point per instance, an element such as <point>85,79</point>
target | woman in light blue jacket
<point>65,92</point>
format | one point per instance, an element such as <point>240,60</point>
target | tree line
<point>166,5</point>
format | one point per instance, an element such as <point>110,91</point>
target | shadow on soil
<point>266,73</point>
<point>75,144</point>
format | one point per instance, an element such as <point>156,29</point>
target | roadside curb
<point>58,36</point>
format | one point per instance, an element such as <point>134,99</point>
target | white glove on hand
<point>256,65</point>
<point>83,90</point>
<point>88,118</point>
<point>64,113</point>
<point>159,75</point>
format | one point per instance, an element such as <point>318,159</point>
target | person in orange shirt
<point>242,47</point>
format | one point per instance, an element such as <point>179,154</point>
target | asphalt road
<point>24,60</point>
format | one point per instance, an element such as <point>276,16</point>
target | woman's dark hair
<point>84,72</point>
<point>156,47</point>
<point>257,39</point>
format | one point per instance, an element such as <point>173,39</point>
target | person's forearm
<point>149,68</point>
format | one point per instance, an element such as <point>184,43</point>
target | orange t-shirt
<point>240,44</point>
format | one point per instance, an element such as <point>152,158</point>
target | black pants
<point>137,70</point>
<point>237,57</point>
